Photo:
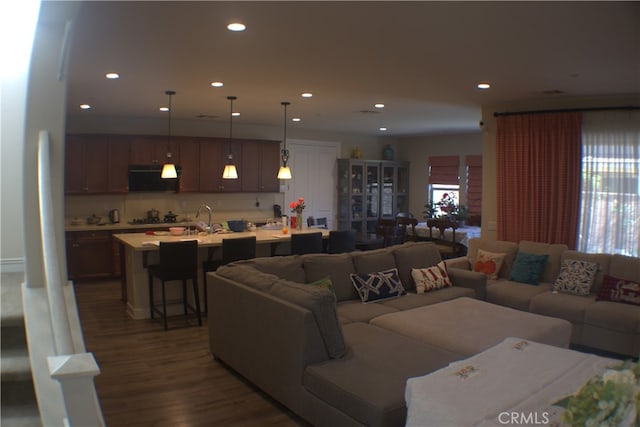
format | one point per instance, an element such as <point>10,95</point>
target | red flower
<point>293,205</point>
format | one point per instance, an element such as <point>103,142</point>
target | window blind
<point>474,184</point>
<point>444,170</point>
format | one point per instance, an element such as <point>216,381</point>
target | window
<point>437,191</point>
<point>610,207</point>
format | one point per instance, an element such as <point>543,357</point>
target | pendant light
<point>169,168</point>
<point>285,172</point>
<point>230,171</point>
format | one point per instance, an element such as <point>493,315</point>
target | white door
<point>313,167</point>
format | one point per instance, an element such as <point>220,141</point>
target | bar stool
<point>233,249</point>
<point>178,261</point>
<point>341,241</point>
<point>306,243</point>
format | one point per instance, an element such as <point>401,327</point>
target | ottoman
<point>468,326</point>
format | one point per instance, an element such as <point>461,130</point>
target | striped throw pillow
<point>429,279</point>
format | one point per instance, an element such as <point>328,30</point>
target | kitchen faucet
<point>210,224</point>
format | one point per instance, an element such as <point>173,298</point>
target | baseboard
<point>12,265</point>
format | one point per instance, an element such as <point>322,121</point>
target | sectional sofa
<point>597,321</point>
<point>296,327</point>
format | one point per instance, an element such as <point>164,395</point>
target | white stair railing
<point>66,360</point>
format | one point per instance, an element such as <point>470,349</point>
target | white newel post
<point>75,374</point>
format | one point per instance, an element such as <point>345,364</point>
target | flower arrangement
<point>609,399</point>
<point>447,207</point>
<point>297,206</point>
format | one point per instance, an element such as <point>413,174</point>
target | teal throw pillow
<point>528,268</point>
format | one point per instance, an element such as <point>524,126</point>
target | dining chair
<point>341,241</point>
<point>178,262</point>
<point>233,249</point>
<point>321,222</point>
<point>306,243</point>
<point>389,231</point>
<point>404,222</point>
<point>448,247</point>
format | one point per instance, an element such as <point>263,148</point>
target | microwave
<point>147,178</point>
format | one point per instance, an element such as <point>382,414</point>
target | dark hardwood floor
<point>155,378</point>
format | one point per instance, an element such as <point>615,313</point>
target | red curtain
<point>444,170</point>
<point>474,184</point>
<point>538,177</point>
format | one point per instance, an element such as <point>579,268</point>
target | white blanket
<point>514,377</point>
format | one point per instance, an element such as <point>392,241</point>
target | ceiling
<point>421,59</point>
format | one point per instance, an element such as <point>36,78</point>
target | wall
<point>417,150</point>
<point>489,202</point>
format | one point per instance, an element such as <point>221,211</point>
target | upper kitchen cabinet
<point>213,157</point>
<point>260,163</point>
<point>87,172</point>
<point>151,150</point>
<point>189,161</point>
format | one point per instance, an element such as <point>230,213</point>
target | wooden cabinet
<point>189,161</point>
<point>86,168</point>
<point>213,157</point>
<point>118,165</point>
<point>369,190</point>
<point>89,254</point>
<point>260,163</point>
<point>151,150</point>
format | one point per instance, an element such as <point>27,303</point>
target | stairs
<point>19,405</point>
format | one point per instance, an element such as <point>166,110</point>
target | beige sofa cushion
<point>497,246</point>
<point>563,306</point>
<point>367,262</point>
<point>321,302</point>
<point>554,251</point>
<point>514,294</point>
<point>625,267</point>
<point>614,316</point>
<point>339,267</point>
<point>285,267</point>
<point>248,275</point>
<point>356,311</point>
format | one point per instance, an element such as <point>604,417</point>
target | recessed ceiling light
<point>112,76</point>
<point>235,114</point>
<point>217,84</point>
<point>379,105</point>
<point>164,109</point>
<point>484,85</point>
<point>236,26</point>
<point>307,95</point>
<point>383,129</point>
<point>296,119</point>
<point>85,106</point>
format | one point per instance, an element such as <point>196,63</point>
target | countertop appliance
<point>147,178</point>
<point>114,216</point>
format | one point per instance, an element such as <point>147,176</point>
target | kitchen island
<point>137,250</point>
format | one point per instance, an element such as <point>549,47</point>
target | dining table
<point>462,234</point>
<point>138,250</point>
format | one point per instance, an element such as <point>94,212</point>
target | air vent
<point>552,92</point>
<point>369,112</point>
<point>206,116</point>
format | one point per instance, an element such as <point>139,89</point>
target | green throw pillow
<point>528,268</point>
<point>325,282</point>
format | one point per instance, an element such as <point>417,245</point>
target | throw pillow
<point>488,263</point>
<point>576,277</point>
<point>378,286</point>
<point>619,290</point>
<point>429,279</point>
<point>528,268</point>
<point>325,282</point>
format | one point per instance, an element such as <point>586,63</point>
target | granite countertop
<point>122,226</point>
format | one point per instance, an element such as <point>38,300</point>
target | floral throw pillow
<point>488,263</point>
<point>429,279</point>
<point>576,277</point>
<point>619,290</point>
<point>374,287</point>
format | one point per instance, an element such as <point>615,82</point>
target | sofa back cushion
<point>372,261</point>
<point>414,255</point>
<point>603,261</point>
<point>554,252</point>
<point>285,267</point>
<point>248,275</point>
<point>322,303</point>
<point>625,267</point>
<point>339,267</point>
<point>496,246</point>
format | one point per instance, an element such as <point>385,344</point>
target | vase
<point>387,153</point>
<point>299,221</point>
